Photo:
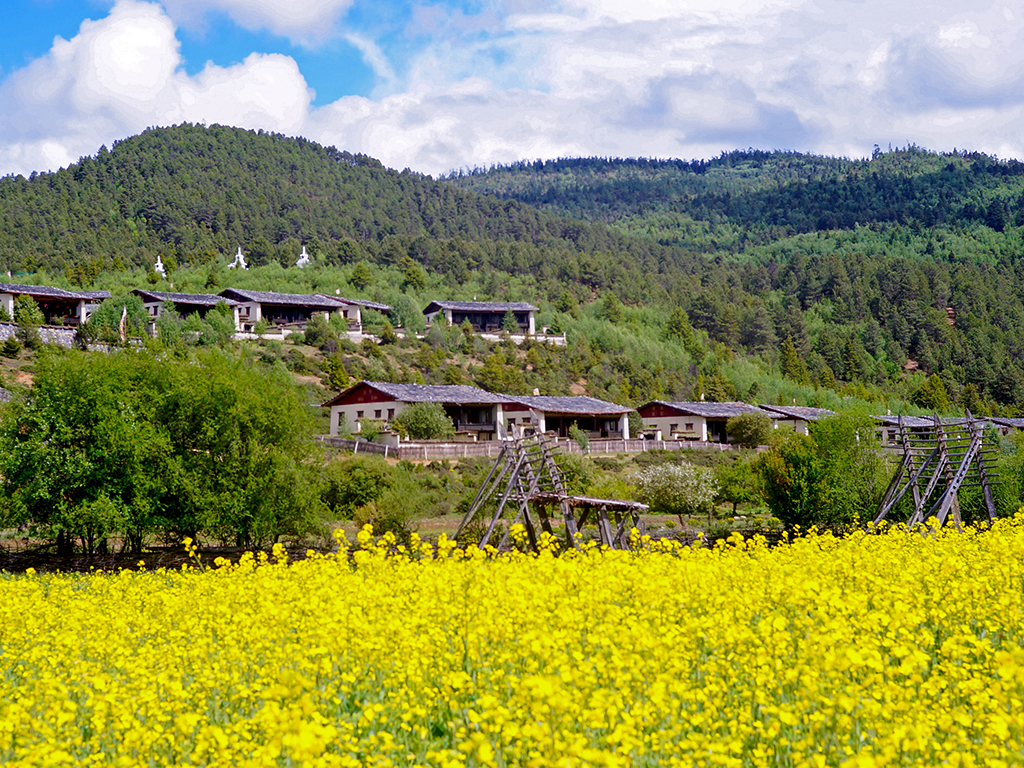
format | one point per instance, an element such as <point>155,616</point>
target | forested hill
<point>847,275</point>
<point>194,193</point>
<point>783,192</point>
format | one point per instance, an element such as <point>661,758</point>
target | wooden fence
<point>430,451</point>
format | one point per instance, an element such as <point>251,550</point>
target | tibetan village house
<point>796,416</point>
<point>185,303</point>
<point>484,316</point>
<point>556,414</point>
<point>58,306</point>
<point>698,421</point>
<point>470,409</point>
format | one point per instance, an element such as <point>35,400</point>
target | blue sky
<point>435,86</point>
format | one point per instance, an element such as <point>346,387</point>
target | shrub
<point>749,429</point>
<point>677,489</point>
<point>424,421</point>
<point>354,482</point>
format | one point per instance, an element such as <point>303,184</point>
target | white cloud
<point>121,74</point>
<point>302,21</point>
<point>539,79</point>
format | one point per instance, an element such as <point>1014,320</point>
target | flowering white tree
<point>677,489</point>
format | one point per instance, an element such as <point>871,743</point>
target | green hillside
<point>755,274</point>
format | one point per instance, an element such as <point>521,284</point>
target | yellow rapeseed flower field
<point>900,649</point>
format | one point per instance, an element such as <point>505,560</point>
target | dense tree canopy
<point>133,445</point>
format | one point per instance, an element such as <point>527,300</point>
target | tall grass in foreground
<point>896,649</point>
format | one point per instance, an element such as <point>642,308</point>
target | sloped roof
<point>1007,422</point>
<point>205,299</point>
<point>459,394</point>
<point>919,422</point>
<point>712,410</point>
<point>50,292</point>
<point>481,306</point>
<point>588,406</point>
<point>366,303</point>
<point>801,412</point>
<point>316,301</point>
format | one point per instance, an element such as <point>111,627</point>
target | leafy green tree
<point>354,482</point>
<point>749,429</point>
<point>361,276</point>
<point>27,311</point>
<point>611,308</point>
<point>737,484</point>
<point>832,478</point>
<point>424,421</point>
<point>793,365</point>
<point>509,324</point>
<point>105,322</point>
<point>677,489</point>
<point>412,275</point>
<point>143,445</point>
<point>932,394</point>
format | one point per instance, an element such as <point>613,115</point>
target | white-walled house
<point>470,409</point>
<point>697,421</point>
<point>59,307</point>
<point>484,316</point>
<point>295,308</point>
<point>185,303</point>
<point>352,309</point>
<point>798,417</point>
<point>598,418</point>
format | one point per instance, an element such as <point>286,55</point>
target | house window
<point>689,426</point>
<point>673,428</point>
<point>376,414</point>
<point>391,413</point>
<point>359,414</point>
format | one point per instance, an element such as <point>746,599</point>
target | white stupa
<point>239,261</point>
<point>304,260</point>
<point>159,267</point>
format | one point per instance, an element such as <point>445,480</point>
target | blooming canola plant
<point>889,649</point>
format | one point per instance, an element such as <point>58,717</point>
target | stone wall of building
<point>50,334</point>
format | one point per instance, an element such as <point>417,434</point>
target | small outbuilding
<point>697,421</point>
<point>471,409</point>
<point>484,316</point>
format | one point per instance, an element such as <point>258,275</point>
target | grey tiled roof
<point>915,422</point>
<point>56,293</point>
<point>207,299</point>
<point>712,410</point>
<point>316,301</point>
<point>804,413</point>
<point>1007,422</point>
<point>366,303</point>
<point>580,405</point>
<point>482,306</point>
<point>429,393</point>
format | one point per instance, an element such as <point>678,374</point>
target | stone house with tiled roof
<point>471,409</point>
<point>484,316</point>
<point>556,414</point>
<point>59,307</point>
<point>185,303</point>
<point>697,421</point>
<point>798,417</point>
